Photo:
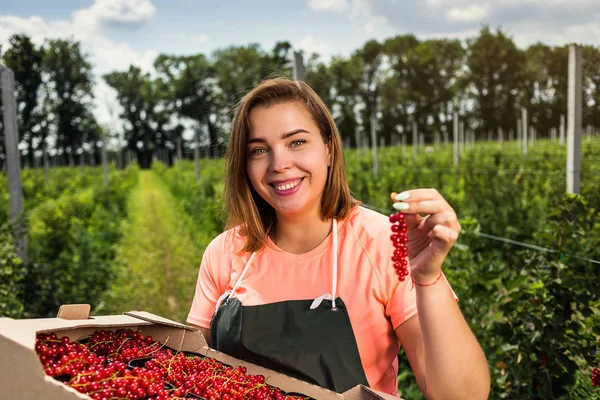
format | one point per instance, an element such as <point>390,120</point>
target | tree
<point>346,74</point>
<point>140,98</point>
<point>239,68</point>
<point>25,59</point>
<point>545,84</point>
<point>369,59</point>
<point>494,79</point>
<point>591,85</point>
<point>397,104</point>
<point>433,70</point>
<point>69,96</point>
<point>190,90</point>
<point>319,77</point>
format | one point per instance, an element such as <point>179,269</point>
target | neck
<point>300,235</point>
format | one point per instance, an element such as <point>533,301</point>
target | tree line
<point>394,83</point>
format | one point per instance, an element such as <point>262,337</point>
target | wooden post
<point>445,136</point>
<point>415,139</point>
<point>575,101</point>
<point>455,137</point>
<point>500,136</point>
<point>436,140</point>
<point>519,133</point>
<point>461,136</point>
<point>561,130</point>
<point>374,148</point>
<point>105,163</point>
<point>524,130</point>
<point>13,160</point>
<point>197,155</point>
<point>403,143</point>
<point>588,132</point>
<point>298,67</point>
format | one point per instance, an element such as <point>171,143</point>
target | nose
<point>280,160</point>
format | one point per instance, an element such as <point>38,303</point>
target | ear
<point>329,153</point>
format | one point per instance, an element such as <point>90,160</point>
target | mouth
<point>286,188</point>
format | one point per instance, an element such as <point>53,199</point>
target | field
<point>138,243</point>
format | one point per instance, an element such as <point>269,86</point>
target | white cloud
<point>309,46</point>
<point>473,12</point>
<point>105,55</point>
<point>328,5</point>
<point>119,11</point>
<point>197,39</point>
<point>374,26</point>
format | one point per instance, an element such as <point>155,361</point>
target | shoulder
<point>226,245</point>
<point>368,225</point>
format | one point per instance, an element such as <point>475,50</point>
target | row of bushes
<point>535,313</point>
<point>70,240</point>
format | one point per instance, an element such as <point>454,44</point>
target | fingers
<point>447,219</point>
<point>444,236</point>
<point>421,201</point>
<point>431,203</point>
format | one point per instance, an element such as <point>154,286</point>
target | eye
<point>257,151</point>
<point>298,142</point>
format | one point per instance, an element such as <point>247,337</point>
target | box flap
<point>74,311</point>
<point>155,319</point>
<point>361,392</point>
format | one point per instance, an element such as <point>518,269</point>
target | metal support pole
<point>455,137</point>
<point>575,101</point>
<point>374,145</point>
<point>13,162</point>
<point>299,70</point>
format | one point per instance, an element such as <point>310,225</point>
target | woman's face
<point>287,158</point>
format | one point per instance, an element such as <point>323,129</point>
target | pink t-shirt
<point>376,300</point>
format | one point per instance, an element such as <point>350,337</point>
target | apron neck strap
<point>334,278</point>
<point>246,267</point>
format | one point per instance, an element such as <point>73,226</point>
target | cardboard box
<point>22,375</point>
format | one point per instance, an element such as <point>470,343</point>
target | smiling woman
<point>302,281</point>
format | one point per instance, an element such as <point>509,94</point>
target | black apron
<point>310,340</point>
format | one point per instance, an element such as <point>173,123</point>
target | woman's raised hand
<point>433,228</point>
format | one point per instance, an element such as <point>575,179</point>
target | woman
<point>302,280</point>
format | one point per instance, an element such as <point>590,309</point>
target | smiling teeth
<point>287,186</point>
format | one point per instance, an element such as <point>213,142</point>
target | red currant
<point>399,240</point>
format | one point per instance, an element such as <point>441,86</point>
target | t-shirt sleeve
<point>213,279</point>
<point>402,301</point>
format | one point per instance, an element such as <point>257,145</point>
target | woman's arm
<point>445,356</point>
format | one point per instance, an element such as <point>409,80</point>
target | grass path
<point>157,259</point>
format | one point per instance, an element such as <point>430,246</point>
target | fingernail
<point>402,196</point>
<point>400,206</point>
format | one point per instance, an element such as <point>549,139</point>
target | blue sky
<point>117,33</point>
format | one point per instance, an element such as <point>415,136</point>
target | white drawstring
<point>327,296</point>
<point>230,293</point>
<point>330,296</point>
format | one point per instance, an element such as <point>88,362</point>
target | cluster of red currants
<point>399,240</point>
<point>96,366</point>
<point>596,376</point>
<point>123,345</point>
<point>210,379</point>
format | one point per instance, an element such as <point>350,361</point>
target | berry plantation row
<point>536,313</point>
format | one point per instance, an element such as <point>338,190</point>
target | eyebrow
<point>283,137</point>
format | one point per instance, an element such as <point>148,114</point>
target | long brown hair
<point>245,208</point>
